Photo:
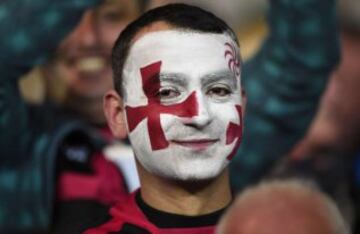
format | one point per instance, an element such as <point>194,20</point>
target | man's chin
<point>191,176</point>
<point>195,181</point>
<point>87,93</point>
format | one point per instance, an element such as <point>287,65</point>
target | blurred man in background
<point>82,61</point>
<point>56,144</point>
<point>80,73</point>
<point>82,65</point>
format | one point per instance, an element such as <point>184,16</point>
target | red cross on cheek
<point>152,111</point>
<point>234,131</point>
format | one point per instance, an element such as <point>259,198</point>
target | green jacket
<point>284,83</point>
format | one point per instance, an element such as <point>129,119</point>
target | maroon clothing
<point>134,216</point>
<point>87,184</point>
<point>105,184</point>
<point>86,174</point>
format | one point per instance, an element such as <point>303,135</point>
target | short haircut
<point>180,16</point>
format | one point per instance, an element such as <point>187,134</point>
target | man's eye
<point>168,93</point>
<point>219,91</point>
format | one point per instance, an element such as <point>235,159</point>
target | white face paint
<point>179,127</point>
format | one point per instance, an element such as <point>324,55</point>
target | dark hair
<point>180,16</point>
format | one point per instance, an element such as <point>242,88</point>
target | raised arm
<point>30,31</point>
<point>284,82</point>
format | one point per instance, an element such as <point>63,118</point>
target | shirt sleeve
<point>284,82</point>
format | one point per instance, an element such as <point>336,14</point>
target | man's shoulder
<point>126,217</point>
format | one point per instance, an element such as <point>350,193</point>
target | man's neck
<point>185,198</point>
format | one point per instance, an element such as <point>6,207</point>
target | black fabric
<point>167,220</point>
<point>74,217</point>
<point>131,229</point>
<point>74,153</point>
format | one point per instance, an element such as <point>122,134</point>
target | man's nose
<point>87,30</point>
<point>204,116</point>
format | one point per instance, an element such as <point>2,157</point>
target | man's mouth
<point>91,64</point>
<point>196,144</point>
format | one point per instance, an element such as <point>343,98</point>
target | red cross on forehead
<point>152,111</point>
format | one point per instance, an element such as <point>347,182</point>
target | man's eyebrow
<point>177,78</point>
<point>218,76</point>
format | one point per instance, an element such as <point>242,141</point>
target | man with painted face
<point>22,50</point>
<point>178,96</point>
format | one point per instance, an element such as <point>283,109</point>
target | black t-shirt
<point>135,216</point>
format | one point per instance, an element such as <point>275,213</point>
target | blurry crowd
<point>71,83</point>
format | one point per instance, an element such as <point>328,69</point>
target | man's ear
<point>115,114</point>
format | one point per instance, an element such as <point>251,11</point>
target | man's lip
<point>91,64</point>
<point>197,144</point>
